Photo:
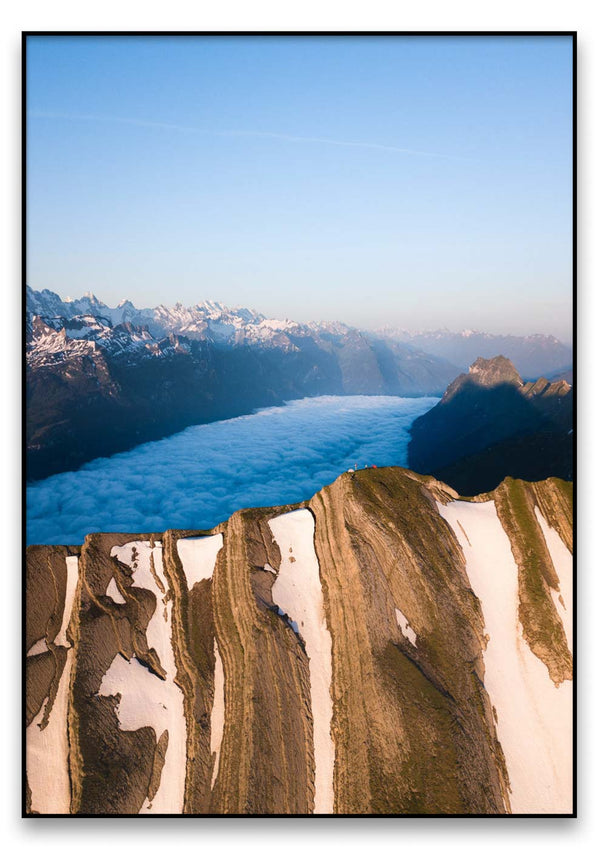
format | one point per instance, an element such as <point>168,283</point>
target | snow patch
<point>563,563</point>
<point>405,627</point>
<point>268,568</point>
<point>198,556</point>
<point>534,718</point>
<point>48,753</point>
<point>72,575</point>
<point>147,700</point>
<point>112,591</point>
<point>298,592</point>
<point>217,714</point>
<point>38,648</point>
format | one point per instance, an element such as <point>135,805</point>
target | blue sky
<point>419,182</point>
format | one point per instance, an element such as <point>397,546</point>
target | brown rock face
<point>399,708</point>
<point>190,690</point>
<point>486,373</point>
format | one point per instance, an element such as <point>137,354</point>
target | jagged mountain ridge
<point>194,321</point>
<point>95,387</point>
<point>534,355</point>
<point>491,423</point>
<point>207,320</point>
<point>386,647</point>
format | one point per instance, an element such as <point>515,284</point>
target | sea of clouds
<point>200,476</point>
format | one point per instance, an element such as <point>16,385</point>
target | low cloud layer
<point>202,475</point>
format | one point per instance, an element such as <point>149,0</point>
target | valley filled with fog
<point>197,478</point>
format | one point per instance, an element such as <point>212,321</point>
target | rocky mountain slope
<point>386,647</point>
<point>102,380</point>
<point>534,356</point>
<point>490,423</point>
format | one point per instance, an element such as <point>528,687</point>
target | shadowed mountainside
<point>491,424</point>
<point>385,647</point>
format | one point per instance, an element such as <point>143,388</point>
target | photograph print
<point>298,424</point>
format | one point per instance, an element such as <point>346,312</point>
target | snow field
<point>72,576</point>
<point>297,590</point>
<point>217,714</point>
<point>146,700</point>
<point>48,749</point>
<point>534,718</point>
<point>198,556</point>
<point>563,563</point>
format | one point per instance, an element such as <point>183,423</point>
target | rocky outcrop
<point>490,424</point>
<point>386,647</point>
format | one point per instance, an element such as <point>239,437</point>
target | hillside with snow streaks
<point>148,698</point>
<point>533,715</point>
<point>385,647</point>
<point>47,738</point>
<point>297,590</point>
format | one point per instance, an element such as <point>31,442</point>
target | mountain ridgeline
<point>386,647</point>
<point>102,380</point>
<point>490,423</point>
<point>533,356</point>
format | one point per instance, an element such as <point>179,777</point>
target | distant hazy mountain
<point>491,424</point>
<point>533,356</point>
<point>101,380</point>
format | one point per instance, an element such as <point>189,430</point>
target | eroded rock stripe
<point>266,762</point>
<point>412,722</point>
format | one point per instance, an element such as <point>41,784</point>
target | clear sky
<point>415,182</point>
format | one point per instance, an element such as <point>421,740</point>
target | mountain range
<point>386,647</point>
<point>534,356</point>
<point>102,379</point>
